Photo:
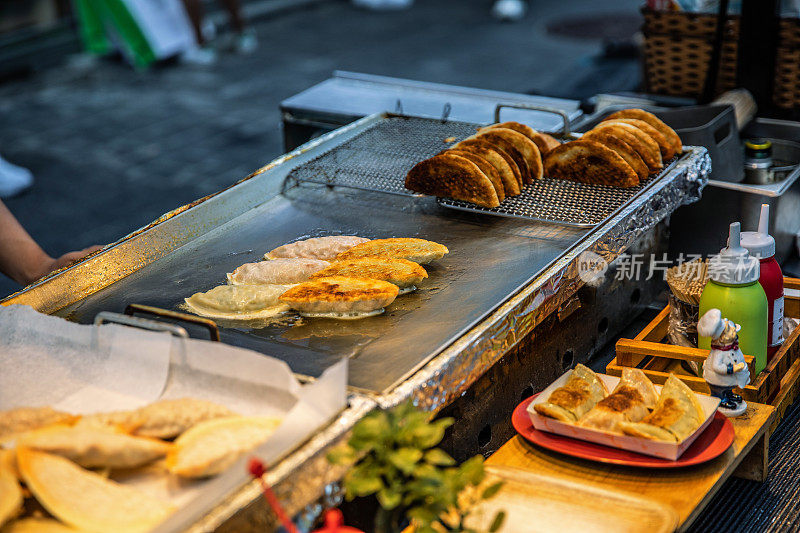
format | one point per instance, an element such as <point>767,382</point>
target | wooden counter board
<point>686,490</point>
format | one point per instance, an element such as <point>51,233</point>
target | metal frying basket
<point>378,159</point>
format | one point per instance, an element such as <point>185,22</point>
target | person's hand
<point>50,264</point>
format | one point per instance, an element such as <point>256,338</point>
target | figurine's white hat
<point>711,324</point>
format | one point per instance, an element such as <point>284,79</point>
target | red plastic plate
<point>717,438</point>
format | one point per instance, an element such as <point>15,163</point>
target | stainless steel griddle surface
<point>490,259</point>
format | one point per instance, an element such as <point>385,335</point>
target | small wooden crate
<point>777,385</point>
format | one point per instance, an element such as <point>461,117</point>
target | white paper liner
<point>85,369</point>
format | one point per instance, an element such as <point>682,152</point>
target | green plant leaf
<point>405,459</point>
<point>497,523</point>
<point>428,473</point>
<point>428,436</point>
<point>373,426</point>
<point>490,491</point>
<point>472,470</point>
<point>437,457</point>
<point>423,515</point>
<point>389,499</point>
<point>362,486</point>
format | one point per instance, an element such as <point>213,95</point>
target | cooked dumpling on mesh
<point>283,271</point>
<point>238,302</point>
<point>325,248</point>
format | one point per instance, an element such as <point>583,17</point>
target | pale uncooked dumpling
<point>242,302</point>
<point>284,271</point>
<point>325,248</point>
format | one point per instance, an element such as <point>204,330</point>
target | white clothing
<point>715,369</point>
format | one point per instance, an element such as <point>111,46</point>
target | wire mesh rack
<point>378,159</point>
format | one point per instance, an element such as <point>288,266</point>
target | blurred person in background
<point>21,259</point>
<point>509,10</point>
<point>13,179</point>
<point>243,40</point>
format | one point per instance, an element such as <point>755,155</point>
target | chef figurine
<point>724,368</point>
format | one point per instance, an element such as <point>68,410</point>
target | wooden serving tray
<point>776,385</point>
<point>535,503</point>
<point>687,491</point>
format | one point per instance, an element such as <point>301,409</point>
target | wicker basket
<point>678,47</point>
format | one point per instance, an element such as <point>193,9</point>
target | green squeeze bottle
<point>733,288</point>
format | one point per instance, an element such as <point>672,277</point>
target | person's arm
<point>21,258</point>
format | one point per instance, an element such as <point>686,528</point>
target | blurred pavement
<point>112,149</point>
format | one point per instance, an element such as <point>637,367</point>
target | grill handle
<point>107,317</point>
<point>560,112</point>
<point>210,325</point>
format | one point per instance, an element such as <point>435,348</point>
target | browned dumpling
<point>576,397</point>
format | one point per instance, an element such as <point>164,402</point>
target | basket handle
<point>710,85</point>
<point>531,107</point>
<point>210,325</point>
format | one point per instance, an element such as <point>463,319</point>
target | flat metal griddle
<point>489,260</point>
<point>491,257</point>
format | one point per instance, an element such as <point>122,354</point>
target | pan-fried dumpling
<point>163,419</point>
<point>452,176</point>
<point>628,402</point>
<point>401,272</point>
<point>286,271</point>
<point>576,397</point>
<point>10,494</point>
<point>95,447</point>
<point>24,419</point>
<point>325,248</point>
<point>210,447</point>
<point>86,500</point>
<point>589,162</point>
<point>416,250</point>
<point>238,302</point>
<point>676,415</point>
<point>672,137</point>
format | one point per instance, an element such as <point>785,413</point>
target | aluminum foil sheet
<point>448,375</point>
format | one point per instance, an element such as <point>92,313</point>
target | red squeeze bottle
<point>760,244</point>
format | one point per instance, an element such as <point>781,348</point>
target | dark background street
<point>112,149</point>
